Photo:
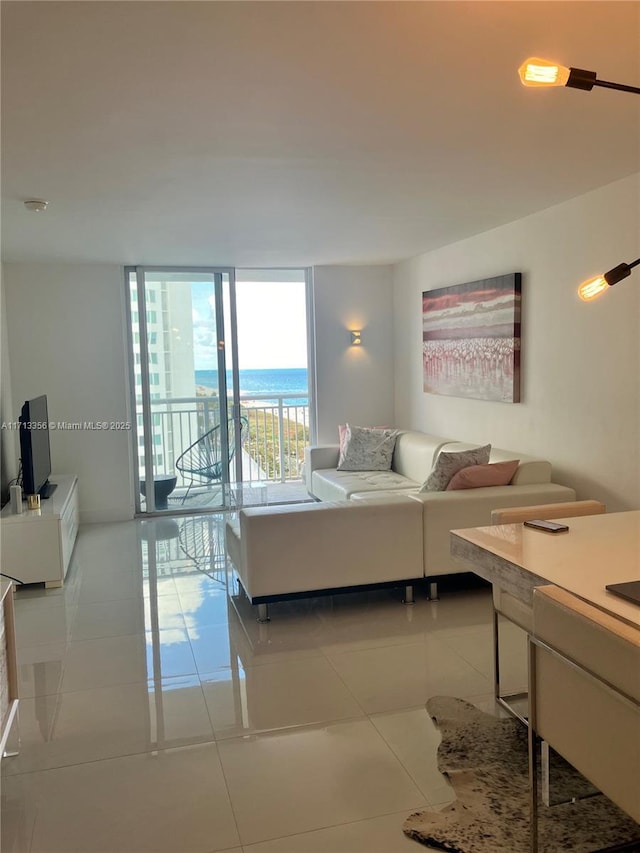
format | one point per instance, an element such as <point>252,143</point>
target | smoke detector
<point>36,205</point>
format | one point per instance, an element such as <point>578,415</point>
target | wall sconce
<point>542,72</point>
<point>593,287</point>
<point>356,338</point>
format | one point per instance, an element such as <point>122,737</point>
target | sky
<point>272,326</point>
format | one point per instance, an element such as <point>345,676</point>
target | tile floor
<point>157,715</point>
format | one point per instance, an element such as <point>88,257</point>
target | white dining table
<point>597,550</point>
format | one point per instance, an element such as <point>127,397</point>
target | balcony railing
<point>272,447</point>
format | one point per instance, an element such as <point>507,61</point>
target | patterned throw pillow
<point>367,449</point>
<point>342,434</point>
<point>477,476</point>
<point>448,464</point>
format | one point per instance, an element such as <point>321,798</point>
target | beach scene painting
<point>471,339</point>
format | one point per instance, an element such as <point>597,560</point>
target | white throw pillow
<point>367,449</point>
<point>448,464</point>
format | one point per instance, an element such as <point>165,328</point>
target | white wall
<point>580,363</point>
<point>8,436</point>
<point>66,335</point>
<point>67,340</point>
<point>354,384</point>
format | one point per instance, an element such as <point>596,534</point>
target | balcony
<point>272,447</point>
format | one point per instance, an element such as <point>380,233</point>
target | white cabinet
<point>36,545</point>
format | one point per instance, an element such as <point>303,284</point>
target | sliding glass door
<point>188,426</point>
<point>221,385</point>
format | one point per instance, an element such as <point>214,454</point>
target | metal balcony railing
<point>273,446</point>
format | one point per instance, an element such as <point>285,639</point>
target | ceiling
<point>297,133</point>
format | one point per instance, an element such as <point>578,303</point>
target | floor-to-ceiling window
<point>273,368</point>
<point>220,368</point>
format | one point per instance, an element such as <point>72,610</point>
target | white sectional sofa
<point>413,458</point>
<point>371,528</point>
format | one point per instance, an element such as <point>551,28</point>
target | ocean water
<point>284,381</point>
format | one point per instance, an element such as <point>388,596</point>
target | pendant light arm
<point>622,87</point>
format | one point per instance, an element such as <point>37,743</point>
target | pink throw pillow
<point>342,433</point>
<point>476,476</point>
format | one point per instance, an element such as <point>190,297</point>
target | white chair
<point>510,607</point>
<point>584,697</point>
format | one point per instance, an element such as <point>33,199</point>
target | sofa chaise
<point>282,552</point>
<point>372,527</point>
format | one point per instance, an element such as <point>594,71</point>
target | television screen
<point>34,447</point>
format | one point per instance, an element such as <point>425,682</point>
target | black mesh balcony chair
<point>202,461</point>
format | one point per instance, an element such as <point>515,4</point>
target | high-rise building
<point>170,367</point>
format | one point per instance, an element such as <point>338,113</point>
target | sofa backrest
<point>415,453</point>
<point>531,470</point>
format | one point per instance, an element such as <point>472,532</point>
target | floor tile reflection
<point>108,619</point>
<point>157,714</point>
<point>376,835</point>
<point>400,676</point>
<point>89,725</point>
<point>103,662</point>
<point>159,801</point>
<point>277,696</point>
<point>349,774</point>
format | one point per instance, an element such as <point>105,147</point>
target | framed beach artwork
<point>471,339</point>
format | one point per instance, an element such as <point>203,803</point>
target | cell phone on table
<point>547,526</point>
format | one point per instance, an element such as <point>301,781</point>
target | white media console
<point>36,545</point>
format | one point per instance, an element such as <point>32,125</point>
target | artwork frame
<point>471,339</point>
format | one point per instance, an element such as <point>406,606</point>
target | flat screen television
<point>35,453</point>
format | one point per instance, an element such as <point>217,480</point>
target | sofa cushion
<point>332,485</point>
<point>531,471</point>
<point>448,464</point>
<point>367,449</point>
<point>476,476</point>
<point>415,453</point>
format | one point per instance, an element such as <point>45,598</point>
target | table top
<point>598,550</point>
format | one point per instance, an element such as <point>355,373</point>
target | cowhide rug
<point>485,759</point>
